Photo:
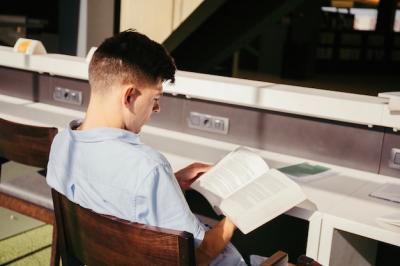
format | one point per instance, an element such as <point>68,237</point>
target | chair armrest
<point>279,258</point>
<point>303,260</point>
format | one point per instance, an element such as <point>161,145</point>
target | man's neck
<point>99,117</point>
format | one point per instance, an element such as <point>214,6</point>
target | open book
<point>242,187</point>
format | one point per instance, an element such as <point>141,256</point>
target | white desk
<point>336,202</point>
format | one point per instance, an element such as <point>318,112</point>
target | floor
<point>23,240</point>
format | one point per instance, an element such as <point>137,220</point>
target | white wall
<point>96,22</point>
<point>155,18</point>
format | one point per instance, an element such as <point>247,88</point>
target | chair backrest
<point>85,237</point>
<point>25,144</point>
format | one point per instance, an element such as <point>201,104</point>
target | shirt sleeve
<point>160,202</point>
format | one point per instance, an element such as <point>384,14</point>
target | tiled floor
<point>12,223</point>
<point>31,246</point>
<point>23,240</point>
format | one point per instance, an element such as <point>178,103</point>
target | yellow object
<point>29,46</point>
<point>23,46</point>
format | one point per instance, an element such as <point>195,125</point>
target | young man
<point>101,164</point>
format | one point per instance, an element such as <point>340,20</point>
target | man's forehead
<point>156,89</point>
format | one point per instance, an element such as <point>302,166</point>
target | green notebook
<point>304,170</point>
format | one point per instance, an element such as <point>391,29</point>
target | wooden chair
<point>29,194</point>
<point>30,145</point>
<point>85,237</point>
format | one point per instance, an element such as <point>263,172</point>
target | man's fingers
<point>201,166</point>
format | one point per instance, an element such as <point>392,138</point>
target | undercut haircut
<point>129,57</point>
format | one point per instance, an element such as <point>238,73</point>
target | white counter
<point>337,106</point>
<point>339,201</point>
<point>58,64</point>
<point>10,59</point>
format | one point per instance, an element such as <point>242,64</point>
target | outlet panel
<point>67,95</point>
<point>207,122</point>
<point>394,161</point>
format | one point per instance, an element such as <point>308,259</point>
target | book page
<point>265,198</point>
<point>234,171</point>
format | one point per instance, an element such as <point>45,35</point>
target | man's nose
<point>156,108</point>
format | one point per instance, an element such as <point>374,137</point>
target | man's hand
<point>190,173</point>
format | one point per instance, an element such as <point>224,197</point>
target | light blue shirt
<point>111,172</point>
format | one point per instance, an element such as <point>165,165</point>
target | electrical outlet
<point>394,161</point>
<point>208,122</point>
<point>67,95</point>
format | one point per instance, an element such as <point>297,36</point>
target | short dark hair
<point>130,56</point>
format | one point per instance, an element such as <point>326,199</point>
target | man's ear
<point>131,93</point>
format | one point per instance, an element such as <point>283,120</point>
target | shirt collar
<point>101,134</point>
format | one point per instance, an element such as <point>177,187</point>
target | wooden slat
<point>25,144</point>
<point>27,208</point>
